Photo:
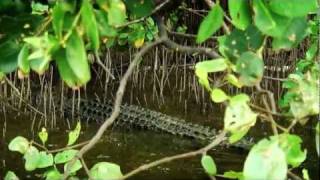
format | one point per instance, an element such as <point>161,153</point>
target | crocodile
<point>132,116</point>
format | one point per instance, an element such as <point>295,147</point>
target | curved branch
<point>181,48</point>
<point>116,110</point>
<point>215,142</point>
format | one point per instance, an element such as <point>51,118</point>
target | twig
<point>156,9</point>
<point>69,147</point>
<point>19,95</point>
<point>265,102</point>
<point>103,66</point>
<point>294,176</point>
<point>215,142</point>
<point>116,110</point>
<point>186,49</point>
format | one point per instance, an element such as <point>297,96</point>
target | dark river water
<point>130,149</point>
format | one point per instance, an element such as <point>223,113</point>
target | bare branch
<point>116,110</point>
<point>221,137</point>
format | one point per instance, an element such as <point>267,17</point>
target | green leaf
<point>65,156</point>
<point>262,16</point>
<point>233,175</point>
<point>23,62</point>
<point>58,14</point>
<point>73,135</point>
<point>240,14</point>
<point>105,170</point>
<point>105,30</point>
<point>65,70</point>
<point>32,158</point>
<point>19,144</point>
<point>39,8</point>
<point>75,167</point>
<point>232,79</point>
<point>90,24</point>
<point>116,12</point>
<point>293,8</point>
<point>209,165</point>
<point>266,160</point>
<point>11,176</point>
<point>139,8</point>
<point>250,67</point>
<point>218,95</point>
<point>77,58</point>
<point>45,160</point>
<point>43,135</point>
<point>53,174</point>
<point>9,51</point>
<point>205,67</point>
<point>210,24</point>
<point>238,115</point>
<point>312,51</point>
<point>238,42</point>
<point>293,33</point>
<point>236,136</point>
<point>305,174</point>
<point>291,146</point>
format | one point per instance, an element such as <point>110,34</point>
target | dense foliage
<point>33,35</point>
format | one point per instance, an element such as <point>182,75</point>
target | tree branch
<point>221,137</point>
<point>116,110</point>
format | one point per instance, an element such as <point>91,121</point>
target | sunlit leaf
<point>266,160</point>
<point>11,176</point>
<point>293,8</point>
<point>75,167</point>
<point>250,67</point>
<point>218,95</point>
<point>210,24</point>
<point>233,175</point>
<point>65,156</point>
<point>43,135</point>
<point>116,12</point>
<point>53,174</point>
<point>305,174</point>
<point>205,67</point>
<point>209,165</point>
<point>90,24</point>
<point>74,134</point>
<point>232,79</point>
<point>291,146</point>
<point>23,62</point>
<point>45,160</point>
<point>105,170</point>
<point>19,144</point>
<point>238,115</point>
<point>32,158</point>
<point>239,11</point>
